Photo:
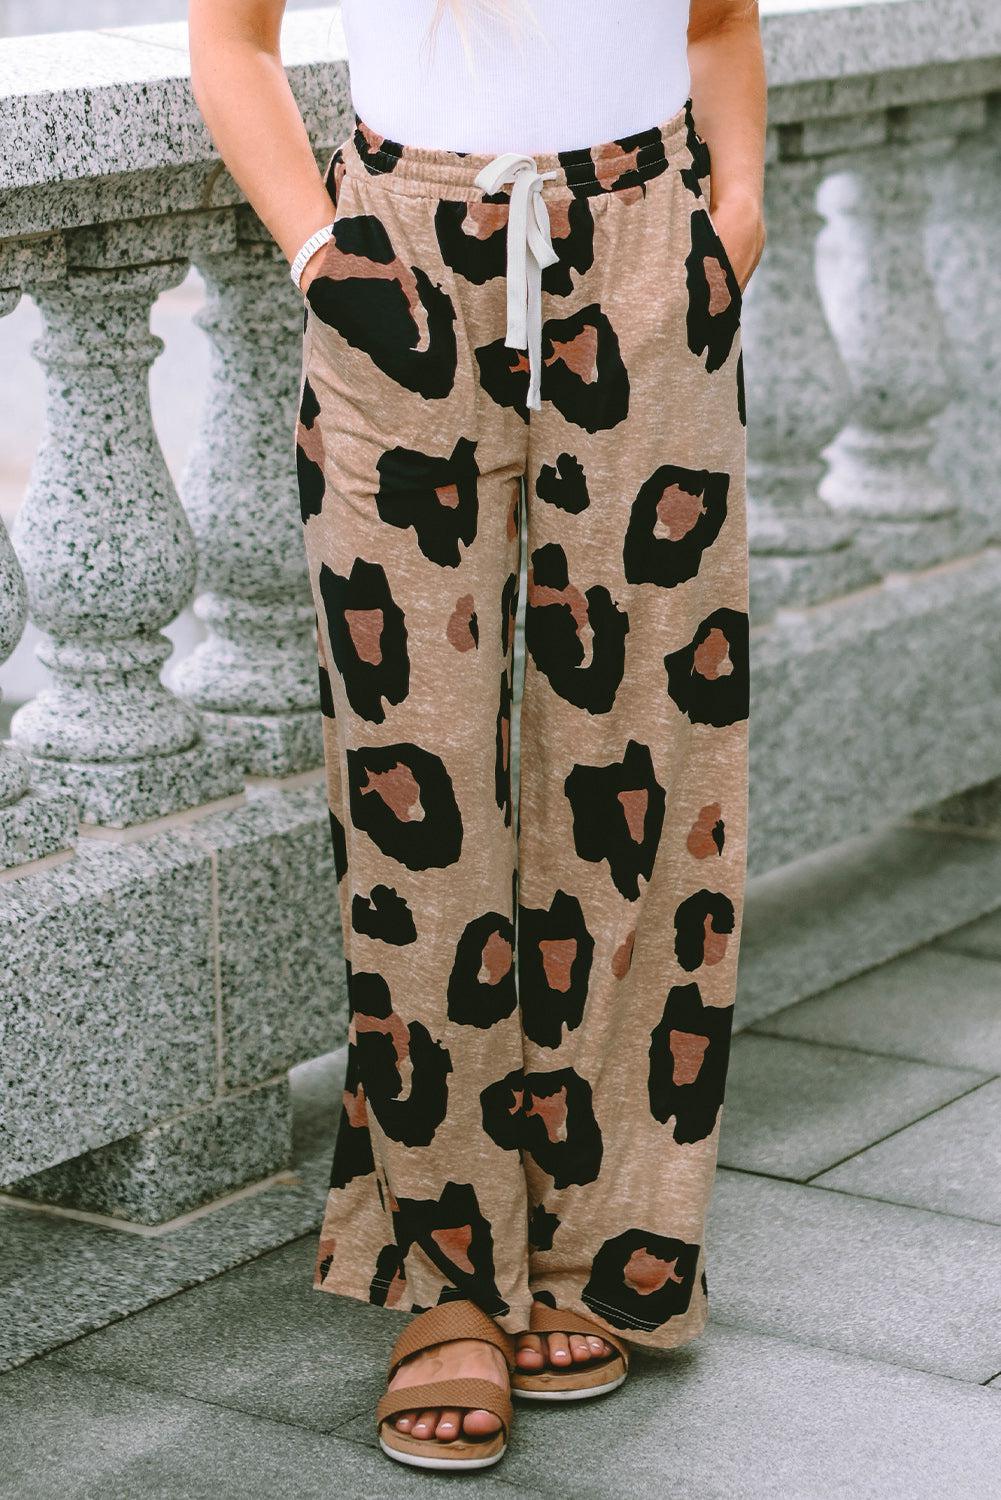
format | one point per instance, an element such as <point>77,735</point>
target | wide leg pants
<point>540,1013</point>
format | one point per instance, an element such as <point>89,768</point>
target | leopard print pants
<point>540,1004</point>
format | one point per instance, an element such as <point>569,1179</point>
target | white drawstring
<point>529,252</point>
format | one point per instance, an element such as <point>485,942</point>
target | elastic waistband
<point>609,168</point>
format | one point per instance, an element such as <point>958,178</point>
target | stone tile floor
<point>855,1347</point>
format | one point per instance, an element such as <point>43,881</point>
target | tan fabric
<point>589,1111</point>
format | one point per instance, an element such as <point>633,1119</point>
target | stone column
<point>254,677</point>
<point>32,825</point>
<point>882,308</point>
<point>963,239</point>
<point>797,400</point>
<point>105,545</point>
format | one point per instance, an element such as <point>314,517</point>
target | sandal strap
<point>445,1324</point>
<point>545,1319</point>
<point>448,1395</point>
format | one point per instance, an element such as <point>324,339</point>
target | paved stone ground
<point>855,1348</point>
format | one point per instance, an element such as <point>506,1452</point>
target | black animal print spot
<point>640,1279</point>
<point>504,375</point>
<point>713,294</point>
<point>707,834</point>
<point>576,639</point>
<point>472,236</point>
<point>384,915</point>
<point>698,172</point>
<point>702,924</point>
<point>542,1226</point>
<point>741,398</point>
<point>571,226</point>
<point>435,496</point>
<point>689,1055</point>
<point>564,485</point>
<point>309,455</point>
<point>384,1046</point>
<point>455,1236</point>
<point>403,798</point>
<point>340,846</point>
<point>675,517</point>
<point>353,1146</point>
<point>618,815</point>
<point>481,986</point>
<point>555,951</point>
<point>390,311</point>
<point>582,370</point>
<point>551,1117</point>
<point>509,610</point>
<point>709,678</point>
<point>326,692</point>
<point>502,751</point>
<point>368,637</point>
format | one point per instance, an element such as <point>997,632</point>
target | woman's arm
<point>241,89</point>
<point>729,101</point>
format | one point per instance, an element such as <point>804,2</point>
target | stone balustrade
<point>166,874</point>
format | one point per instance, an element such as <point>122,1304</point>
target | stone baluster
<point>254,677</point>
<point>105,545</point>
<point>797,400</point>
<point>31,825</point>
<point>963,238</point>
<point>881,304</point>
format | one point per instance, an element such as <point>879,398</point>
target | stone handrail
<point>872,342</point>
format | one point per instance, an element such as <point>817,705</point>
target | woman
<point>509,327</point>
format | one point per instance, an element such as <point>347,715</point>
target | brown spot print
<point>395,1290</point>
<point>447,495</point>
<point>365,629</point>
<point>552,1111</point>
<point>455,1243</point>
<point>324,1255</point>
<point>711,658</point>
<point>622,958</point>
<point>559,217</point>
<point>518,1095</point>
<point>634,804</point>
<point>612,162</point>
<point>520,365</point>
<point>558,956</point>
<point>677,513</point>
<point>688,1051</point>
<point>715,942</point>
<point>390,1025</point>
<point>646,1273</point>
<point>505,739</point>
<point>579,354</point>
<point>484,219</point>
<point>541,594</point>
<point>630,194</point>
<point>399,790</point>
<point>719,292</point>
<point>310,440</point>
<point>457,631</point>
<point>700,838</point>
<point>498,957</point>
<point>372,140</point>
<point>354,1108</point>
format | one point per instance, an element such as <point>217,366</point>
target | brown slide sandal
<point>444,1325</point>
<point>577,1382</point>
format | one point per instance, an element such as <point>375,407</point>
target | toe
<point>529,1354</point>
<point>405,1421</point>
<point>579,1349</point>
<point>448,1427</point>
<point>598,1347</point>
<point>480,1423</point>
<point>559,1350</point>
<point>425,1424</point>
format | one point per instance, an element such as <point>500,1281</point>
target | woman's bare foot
<point>557,1351</point>
<point>464,1359</point>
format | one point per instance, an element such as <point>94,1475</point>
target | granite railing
<point>169,936</point>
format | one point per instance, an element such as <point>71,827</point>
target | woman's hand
<point>740,224</point>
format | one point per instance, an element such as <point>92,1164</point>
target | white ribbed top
<point>580,73</point>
